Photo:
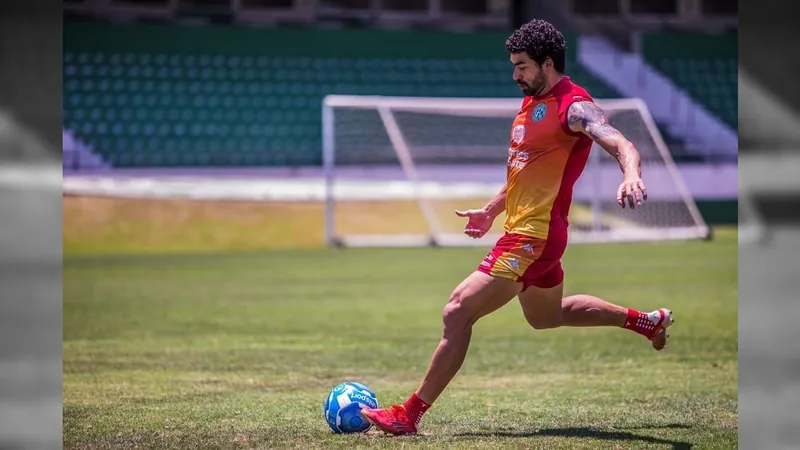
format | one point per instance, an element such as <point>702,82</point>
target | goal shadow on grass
<point>593,433</point>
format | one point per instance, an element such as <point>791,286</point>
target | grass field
<point>111,225</point>
<point>238,350</point>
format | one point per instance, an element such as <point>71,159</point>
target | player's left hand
<point>633,190</point>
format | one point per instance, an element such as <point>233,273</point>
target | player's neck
<point>550,85</point>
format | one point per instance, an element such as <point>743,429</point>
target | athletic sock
<point>415,408</point>
<point>640,322</point>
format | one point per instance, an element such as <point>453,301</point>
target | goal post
<point>396,168</point>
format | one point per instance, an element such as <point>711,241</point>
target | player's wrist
<point>496,206</point>
<point>491,211</point>
<point>631,174</point>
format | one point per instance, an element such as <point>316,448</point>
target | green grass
<point>239,351</point>
<point>98,225</point>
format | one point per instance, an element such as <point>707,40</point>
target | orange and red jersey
<point>545,160</point>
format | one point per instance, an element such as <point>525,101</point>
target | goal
<point>396,168</point>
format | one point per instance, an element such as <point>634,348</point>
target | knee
<point>543,321</point>
<point>455,315</point>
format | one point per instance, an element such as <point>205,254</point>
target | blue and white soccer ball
<point>343,405</point>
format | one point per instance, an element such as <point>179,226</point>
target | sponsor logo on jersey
<point>517,159</point>
<point>518,134</point>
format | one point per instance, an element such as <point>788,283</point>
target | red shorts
<point>532,261</point>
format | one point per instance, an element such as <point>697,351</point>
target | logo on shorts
<point>518,134</point>
<point>539,111</point>
<point>514,263</point>
<point>528,248</point>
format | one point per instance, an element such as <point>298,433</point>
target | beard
<point>533,88</point>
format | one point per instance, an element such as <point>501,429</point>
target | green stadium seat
<point>150,104</point>
<point>704,65</point>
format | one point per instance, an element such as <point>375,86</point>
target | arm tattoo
<point>590,119</point>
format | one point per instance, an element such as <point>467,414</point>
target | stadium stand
<point>705,66</point>
<point>227,96</point>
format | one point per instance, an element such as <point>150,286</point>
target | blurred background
<point>769,138</point>
<point>223,99</point>
<point>197,126</point>
<point>30,224</point>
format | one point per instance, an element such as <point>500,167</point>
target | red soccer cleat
<point>392,420</point>
<point>662,318</point>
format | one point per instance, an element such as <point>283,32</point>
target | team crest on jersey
<point>518,134</point>
<point>538,112</point>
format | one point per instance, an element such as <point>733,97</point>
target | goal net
<point>397,168</point>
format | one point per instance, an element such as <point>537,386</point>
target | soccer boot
<point>392,420</point>
<point>661,318</point>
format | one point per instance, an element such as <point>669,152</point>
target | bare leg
<point>547,308</point>
<point>589,311</point>
<point>478,295</point>
<point>446,361</point>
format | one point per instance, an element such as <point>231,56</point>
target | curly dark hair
<point>540,39</point>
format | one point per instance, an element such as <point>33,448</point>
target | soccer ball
<point>343,405</point>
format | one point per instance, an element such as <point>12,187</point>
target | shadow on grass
<point>585,432</point>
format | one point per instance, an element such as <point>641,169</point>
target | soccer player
<point>550,142</point>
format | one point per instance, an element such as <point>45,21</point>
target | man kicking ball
<point>551,138</point>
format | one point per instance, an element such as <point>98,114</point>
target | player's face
<point>528,75</point>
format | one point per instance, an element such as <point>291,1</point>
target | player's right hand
<point>633,190</point>
<point>478,224</point>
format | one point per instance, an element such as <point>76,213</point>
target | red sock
<point>415,408</point>
<point>639,322</point>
